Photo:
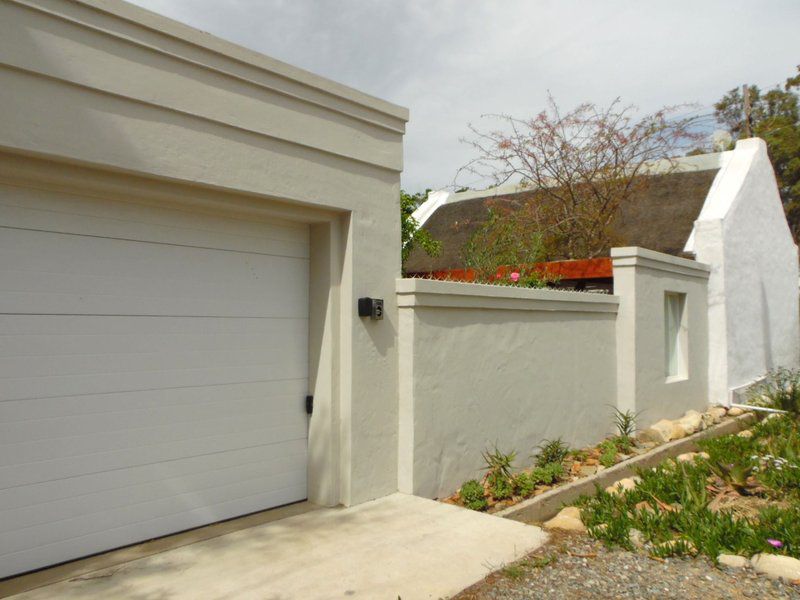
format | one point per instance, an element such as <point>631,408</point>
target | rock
<point>776,566</point>
<point>660,432</point>
<point>735,411</point>
<point>716,413</point>
<point>691,422</point>
<point>587,470</point>
<point>686,457</point>
<point>745,434</point>
<point>704,455</point>
<point>733,561</point>
<point>637,538</point>
<point>679,431</point>
<point>568,519</point>
<point>592,462</point>
<point>622,485</point>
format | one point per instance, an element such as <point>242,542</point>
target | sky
<point>451,61</point>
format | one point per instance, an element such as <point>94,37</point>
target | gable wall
<point>753,288</point>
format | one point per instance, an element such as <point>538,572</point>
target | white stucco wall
<point>483,364</point>
<point>108,98</point>
<point>641,280</point>
<point>753,288</point>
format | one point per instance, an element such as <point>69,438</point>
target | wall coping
<point>633,256</point>
<point>228,58</point>
<point>414,293</point>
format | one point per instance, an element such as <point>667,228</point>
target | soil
<point>576,566</point>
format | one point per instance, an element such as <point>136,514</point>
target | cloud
<point>450,61</point>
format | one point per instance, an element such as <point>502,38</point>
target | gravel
<point>584,568</point>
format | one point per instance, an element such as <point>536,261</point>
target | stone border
<point>543,507</point>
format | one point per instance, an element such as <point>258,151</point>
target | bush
<point>500,487</point>
<point>551,452</point>
<point>625,422</point>
<point>524,484</point>
<point>499,463</point>
<point>472,495</point>
<point>608,453</point>
<point>547,474</point>
<point>780,389</point>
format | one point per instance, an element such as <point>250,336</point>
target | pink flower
<point>514,277</point>
<point>775,543</point>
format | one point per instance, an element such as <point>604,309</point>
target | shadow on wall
<point>769,363</point>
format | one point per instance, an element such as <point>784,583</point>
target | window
<point>675,332</point>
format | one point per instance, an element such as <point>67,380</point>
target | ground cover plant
<point>741,497</point>
<point>552,463</point>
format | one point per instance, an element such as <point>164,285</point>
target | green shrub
<point>780,389</point>
<point>500,486</point>
<point>499,463</point>
<point>547,474</point>
<point>472,495</point>
<point>524,484</point>
<point>623,444</point>
<point>579,455</point>
<point>721,449</point>
<point>625,422</point>
<point>551,451</point>
<point>608,453</point>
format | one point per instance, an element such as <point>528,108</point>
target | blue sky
<point>450,61</point>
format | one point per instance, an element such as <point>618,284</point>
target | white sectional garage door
<point>153,366</point>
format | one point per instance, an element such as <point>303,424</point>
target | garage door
<point>153,366</point>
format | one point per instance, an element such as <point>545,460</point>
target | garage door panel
<point>89,514</point>
<point>25,336</point>
<point>153,365</point>
<point>26,208</point>
<point>110,422</point>
<point>125,535</point>
<point>159,359</point>
<point>35,471</point>
<point>101,485</point>
<point>58,407</point>
<point>159,433</point>
<point>50,273</point>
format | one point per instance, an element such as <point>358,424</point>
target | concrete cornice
<point>631,256</point>
<point>412,293</point>
<point>191,45</point>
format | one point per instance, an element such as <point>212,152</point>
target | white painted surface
<point>752,291</point>
<point>483,364</point>
<point>431,204</point>
<point>115,101</point>
<point>397,547</point>
<point>642,279</point>
<point>153,363</point>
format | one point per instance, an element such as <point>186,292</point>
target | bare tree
<point>582,166</point>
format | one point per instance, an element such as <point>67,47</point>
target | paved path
<point>396,546</point>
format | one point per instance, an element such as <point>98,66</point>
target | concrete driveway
<point>396,546</point>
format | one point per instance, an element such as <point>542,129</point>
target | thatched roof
<point>658,217</point>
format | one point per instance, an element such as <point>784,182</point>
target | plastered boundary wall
<point>642,278</point>
<point>483,364</point>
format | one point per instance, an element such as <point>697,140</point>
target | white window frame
<point>676,337</point>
